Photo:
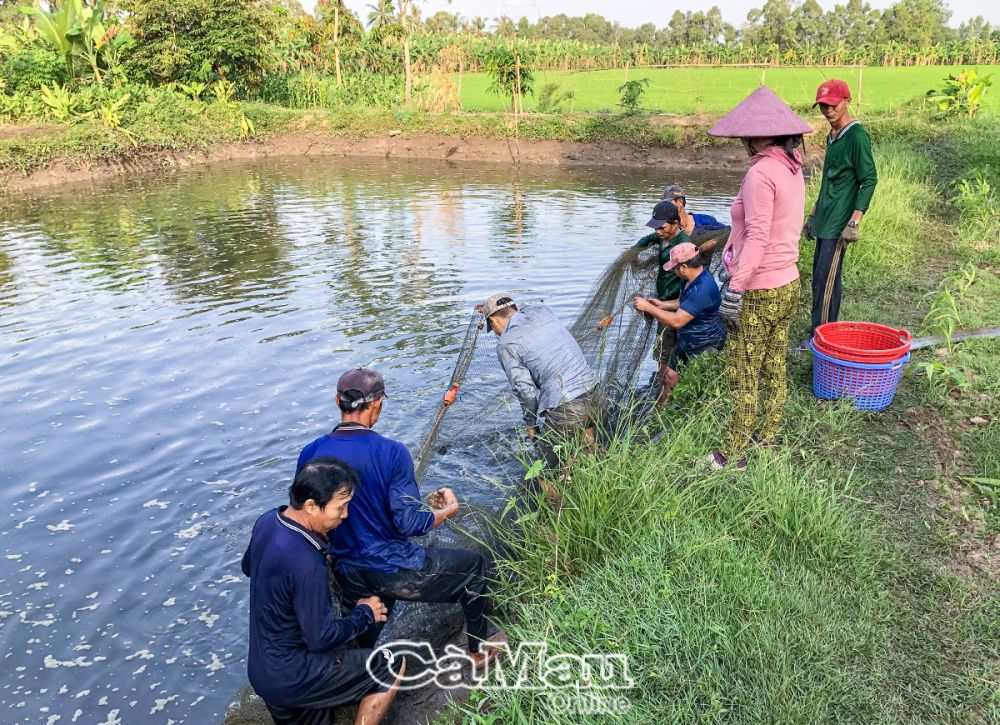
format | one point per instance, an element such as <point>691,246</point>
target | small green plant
<point>223,92</point>
<point>509,74</point>
<point>939,377</point>
<point>534,470</point>
<point>986,487</point>
<point>631,95</point>
<point>194,90</point>
<point>21,106</point>
<point>110,112</point>
<point>977,200</point>
<point>247,128</point>
<point>961,95</point>
<point>943,316</point>
<point>61,104</point>
<point>552,97</point>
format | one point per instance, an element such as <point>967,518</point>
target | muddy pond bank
<point>448,148</point>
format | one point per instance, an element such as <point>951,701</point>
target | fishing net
<point>615,339</point>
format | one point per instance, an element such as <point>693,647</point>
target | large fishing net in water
<point>615,339</point>
<point>479,437</point>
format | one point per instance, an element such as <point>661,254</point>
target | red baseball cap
<point>832,92</point>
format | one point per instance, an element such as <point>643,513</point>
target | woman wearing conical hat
<point>760,261</point>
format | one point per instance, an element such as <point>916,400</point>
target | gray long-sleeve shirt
<point>543,362</point>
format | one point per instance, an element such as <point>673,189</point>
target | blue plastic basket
<point>871,386</point>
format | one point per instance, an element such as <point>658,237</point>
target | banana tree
<point>962,93</point>
<point>75,31</point>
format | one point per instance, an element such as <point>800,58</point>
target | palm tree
<point>382,17</point>
<point>505,27</point>
<point>477,26</point>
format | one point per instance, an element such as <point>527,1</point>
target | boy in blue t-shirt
<point>695,314</point>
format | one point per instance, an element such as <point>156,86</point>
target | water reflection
<point>169,344</point>
<point>7,289</point>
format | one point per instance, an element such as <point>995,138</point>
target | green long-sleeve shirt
<point>668,284</point>
<point>849,180</point>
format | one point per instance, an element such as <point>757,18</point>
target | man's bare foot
<point>487,654</point>
<point>373,708</point>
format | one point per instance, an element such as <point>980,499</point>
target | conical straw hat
<point>761,114</point>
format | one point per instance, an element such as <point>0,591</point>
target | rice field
<point>689,91</point>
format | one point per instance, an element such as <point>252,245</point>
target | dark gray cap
<point>664,213</point>
<point>360,386</point>
<point>674,191</point>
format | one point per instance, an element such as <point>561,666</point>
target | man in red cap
<point>849,180</point>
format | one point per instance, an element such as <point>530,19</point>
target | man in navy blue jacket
<point>297,661</point>
<point>374,550</point>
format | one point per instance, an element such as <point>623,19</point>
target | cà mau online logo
<point>530,667</point>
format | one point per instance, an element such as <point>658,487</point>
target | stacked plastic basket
<point>859,360</point>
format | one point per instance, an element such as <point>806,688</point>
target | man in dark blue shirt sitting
<point>373,550</point>
<point>297,661</point>
<point>695,314</point>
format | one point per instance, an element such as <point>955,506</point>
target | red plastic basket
<point>862,342</point>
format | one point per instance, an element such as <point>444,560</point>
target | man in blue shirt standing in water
<point>298,662</point>
<point>374,551</point>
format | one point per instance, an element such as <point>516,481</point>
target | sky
<point>632,13</point>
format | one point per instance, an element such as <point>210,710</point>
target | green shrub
<point>199,40</point>
<point>631,95</point>
<point>552,97</point>
<point>30,67</point>
<point>509,74</point>
<point>961,94</point>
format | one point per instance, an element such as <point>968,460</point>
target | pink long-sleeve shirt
<point>763,247</point>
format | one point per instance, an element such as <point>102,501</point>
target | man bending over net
<point>548,372</point>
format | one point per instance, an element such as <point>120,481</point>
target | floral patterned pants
<point>755,366</point>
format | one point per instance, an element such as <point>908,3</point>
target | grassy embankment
<point>852,576</point>
<point>716,90</point>
<point>151,131</point>
<point>165,122</point>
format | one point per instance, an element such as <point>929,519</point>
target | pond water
<point>167,346</point>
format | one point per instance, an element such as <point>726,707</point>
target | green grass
<point>850,577</point>
<point>688,91</point>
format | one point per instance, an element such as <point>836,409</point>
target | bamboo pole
<point>517,96</point>
<point>404,6</point>
<point>861,71</point>
<point>517,85</point>
<point>336,39</point>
